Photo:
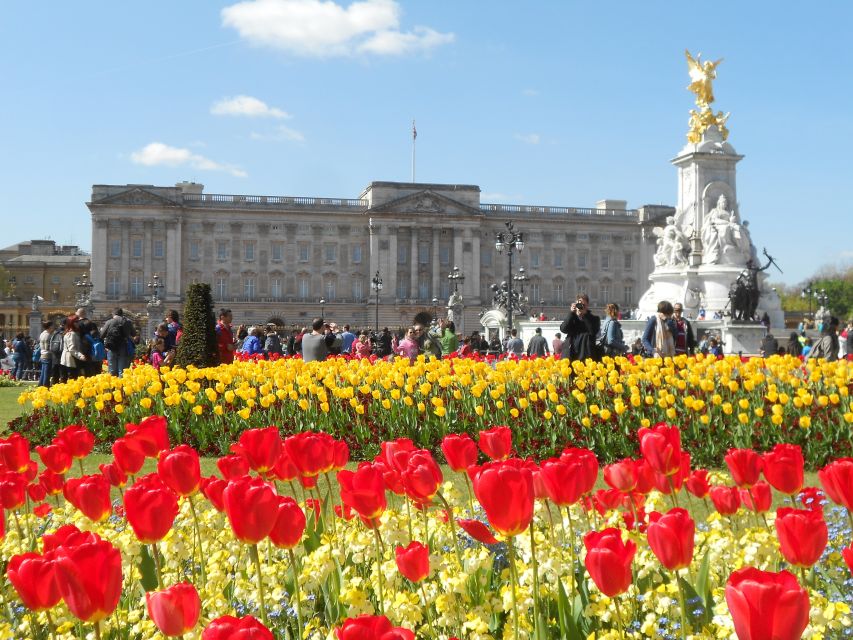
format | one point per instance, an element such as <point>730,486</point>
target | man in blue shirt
<point>347,338</point>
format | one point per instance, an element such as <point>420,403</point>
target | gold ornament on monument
<point>702,75</point>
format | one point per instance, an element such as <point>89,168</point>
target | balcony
<point>275,203</point>
<point>536,210</point>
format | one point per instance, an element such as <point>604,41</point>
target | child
<point>159,356</point>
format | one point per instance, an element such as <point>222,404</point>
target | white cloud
<point>159,154</point>
<point>530,92</point>
<point>281,133</point>
<point>528,138</point>
<point>246,106</point>
<point>324,28</point>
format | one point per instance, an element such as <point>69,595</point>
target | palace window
<point>331,253</point>
<point>628,298</point>
<point>582,259</point>
<point>356,254</point>
<point>558,257</point>
<point>275,288</point>
<point>115,249</point>
<point>221,287</point>
<point>444,254</point>
<point>249,250</point>
<point>136,247</point>
<point>605,294</point>
<point>331,290</point>
<point>534,258</point>
<point>158,248</point>
<point>304,287</point>
<point>605,261</point>
<point>423,289</point>
<point>629,260</point>
<point>195,249</point>
<point>445,290</point>
<point>357,289</point>
<point>303,252</point>
<point>534,293</point>
<point>249,287</point>
<point>222,250</point>
<point>402,254</point>
<point>423,253</point>
<point>113,285</point>
<point>485,257</point>
<point>136,286</point>
<point>402,289</point>
<point>277,251</point>
<point>559,293</point>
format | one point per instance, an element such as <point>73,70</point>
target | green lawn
<point>9,407</point>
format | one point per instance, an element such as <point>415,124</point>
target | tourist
<point>73,358</point>
<point>160,356</point>
<point>384,348</point>
<point>347,338</point>
<point>637,347</point>
<point>116,335</point>
<point>769,345</point>
<point>45,355</point>
<point>315,345</point>
<point>495,346</point>
<point>581,328</point>
<point>807,346</point>
<point>225,342</point>
<point>408,346</point>
<point>21,355</point>
<point>715,348</point>
<point>795,347</point>
<point>611,333</point>
<point>96,350</point>
<point>252,343</point>
<point>557,345</point>
<point>361,348</point>
<point>849,339</point>
<point>538,345</point>
<point>685,340</point>
<point>515,345</point>
<point>272,342</point>
<point>242,334</point>
<point>659,334</point>
<point>56,346</point>
<point>449,340</point>
<point>826,348</point>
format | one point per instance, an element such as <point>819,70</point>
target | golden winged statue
<point>702,75</point>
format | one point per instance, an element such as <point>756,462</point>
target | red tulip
<point>671,538</point>
<point>233,467</point>
<point>231,628</point>
<point>505,490</point>
<point>34,578</point>
<point>151,508</point>
<point>812,498</point>
<point>584,463</point>
<point>180,470</point>
<point>344,511</point>
<point>152,434</point>
<point>129,455</point>
<point>67,535</point>
<point>251,507</point>
<point>341,455</point>
<point>13,490</point>
<point>55,457</point>
<point>40,511</point>
<point>174,610</point>
<point>802,535</point>
<point>726,500</point>
<point>622,475</point>
<point>312,452</point>
<point>363,490</point>
<point>367,627</point>
<point>661,447</point>
<point>608,560</point>
<point>36,492</point>
<point>847,554</point>
<point>496,442</point>
<point>563,481</point>
<point>422,476</point>
<point>645,477</point>
<point>52,482</point>
<point>261,448</point>
<point>413,561</point>
<point>477,530</point>
<point>89,578</point>
<point>767,606</point>
<point>289,524</point>
<point>459,451</point>
<point>77,439</point>
<point>114,474</point>
<point>284,468</point>
<point>607,500</point>
<point>697,483</point>
<point>837,481</point>
<point>15,452</point>
<point>758,499</point>
<point>91,495</point>
<point>783,468</point>
<point>745,466</point>
<point>213,488</point>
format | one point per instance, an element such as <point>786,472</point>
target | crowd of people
<point>75,346</point>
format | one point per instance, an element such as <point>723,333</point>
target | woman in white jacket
<point>71,350</point>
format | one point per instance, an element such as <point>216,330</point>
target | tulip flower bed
<point>269,548</point>
<point>720,404</point>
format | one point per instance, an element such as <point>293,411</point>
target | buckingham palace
<point>287,259</point>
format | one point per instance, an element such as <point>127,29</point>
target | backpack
<point>99,354</point>
<point>272,344</point>
<point>114,335</point>
<point>37,354</point>
<point>56,344</point>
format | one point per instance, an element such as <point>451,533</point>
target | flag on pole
<point>414,131</point>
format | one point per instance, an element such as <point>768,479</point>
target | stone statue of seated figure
<point>724,240</point>
<point>672,245</point>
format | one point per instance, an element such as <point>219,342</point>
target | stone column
<point>173,260</point>
<point>100,253</point>
<point>414,264</point>
<point>124,275</point>
<point>474,284</point>
<point>436,264</point>
<point>391,290</point>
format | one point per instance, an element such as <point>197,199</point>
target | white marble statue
<point>672,245</point>
<point>724,240</point>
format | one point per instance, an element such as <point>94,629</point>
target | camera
<point>579,306</point>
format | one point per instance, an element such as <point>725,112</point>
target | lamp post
<point>84,290</point>
<point>323,308</point>
<point>542,306</point>
<point>376,285</point>
<point>808,292</point>
<point>511,241</point>
<point>521,278</point>
<point>456,277</point>
<point>822,298</point>
<point>435,309</point>
<point>155,286</point>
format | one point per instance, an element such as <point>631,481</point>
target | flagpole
<point>414,140</point>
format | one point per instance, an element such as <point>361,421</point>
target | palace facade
<point>276,258</point>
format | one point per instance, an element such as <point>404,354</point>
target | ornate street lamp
<point>807,293</point>
<point>323,308</point>
<point>376,285</point>
<point>155,286</point>
<point>435,309</point>
<point>457,277</point>
<point>509,241</point>
<point>84,290</point>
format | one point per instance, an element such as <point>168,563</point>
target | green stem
<point>514,577</point>
<point>681,605</point>
<point>619,618</point>
<point>426,611</point>
<point>294,568</point>
<point>409,519</point>
<point>82,473</point>
<point>452,521</point>
<point>159,571</point>
<point>672,491</point>
<point>379,571</point>
<point>470,493</point>
<point>535,581</point>
<point>18,526</point>
<point>50,624</point>
<point>253,551</point>
<point>98,630</point>
<point>571,552</point>
<point>198,536</point>
<point>331,499</point>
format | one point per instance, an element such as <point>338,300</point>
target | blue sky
<point>553,103</point>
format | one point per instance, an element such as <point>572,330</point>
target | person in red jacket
<point>225,341</point>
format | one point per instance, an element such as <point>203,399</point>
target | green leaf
<point>147,570</point>
<point>702,587</point>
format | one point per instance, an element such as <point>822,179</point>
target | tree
<point>836,282</point>
<point>198,341</point>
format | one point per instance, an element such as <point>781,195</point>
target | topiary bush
<point>198,342</point>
